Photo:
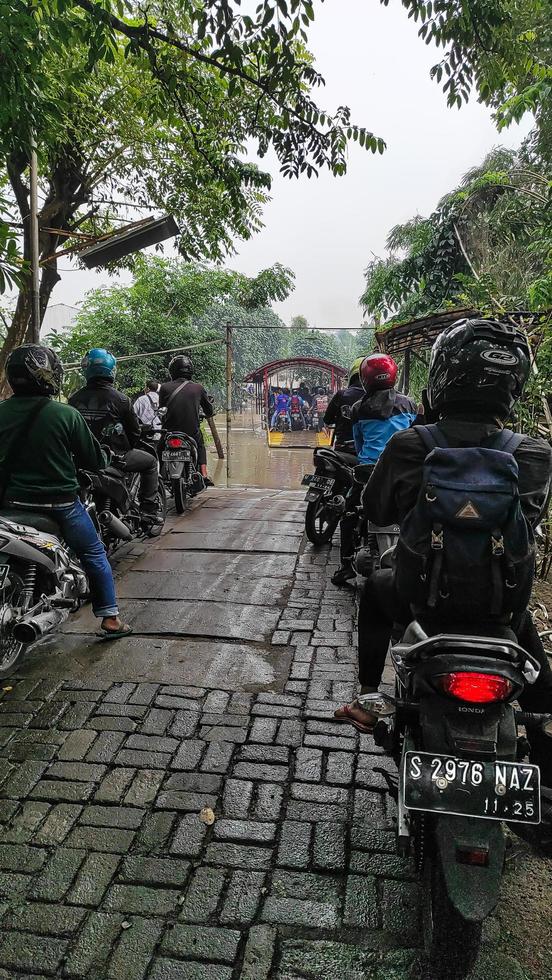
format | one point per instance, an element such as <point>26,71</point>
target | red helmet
<point>378,371</point>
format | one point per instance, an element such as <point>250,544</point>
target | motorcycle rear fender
<point>25,552</point>
<point>473,890</point>
<point>176,469</point>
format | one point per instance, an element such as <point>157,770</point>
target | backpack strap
<point>431,436</point>
<point>505,441</point>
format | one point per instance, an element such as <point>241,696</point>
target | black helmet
<point>181,367</point>
<point>479,365</point>
<point>34,370</point>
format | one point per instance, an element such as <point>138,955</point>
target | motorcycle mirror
<point>346,411</point>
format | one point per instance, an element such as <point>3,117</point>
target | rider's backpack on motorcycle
<point>465,548</point>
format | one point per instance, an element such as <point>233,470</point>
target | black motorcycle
<point>327,489</point>
<point>179,468</point>
<point>112,500</point>
<point>453,731</point>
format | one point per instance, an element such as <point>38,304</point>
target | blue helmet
<point>99,363</point>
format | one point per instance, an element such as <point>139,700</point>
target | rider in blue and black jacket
<point>376,417</point>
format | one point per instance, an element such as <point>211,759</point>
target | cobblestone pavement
<point>108,872</point>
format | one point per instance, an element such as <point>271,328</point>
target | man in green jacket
<point>42,445</point>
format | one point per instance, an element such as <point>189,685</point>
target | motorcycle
<point>453,732</point>
<point>327,489</point>
<point>40,582</point>
<point>297,422</point>
<point>179,470</point>
<point>283,423</point>
<point>111,497</point>
<point>373,544</point>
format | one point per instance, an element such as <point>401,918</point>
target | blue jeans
<point>276,416</point>
<point>81,536</point>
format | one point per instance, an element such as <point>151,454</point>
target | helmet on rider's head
<point>181,366</point>
<point>99,363</point>
<point>378,371</point>
<point>354,376</point>
<point>321,391</point>
<point>34,370</point>
<point>478,365</point>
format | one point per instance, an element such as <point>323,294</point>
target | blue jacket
<point>282,402</point>
<point>376,418</point>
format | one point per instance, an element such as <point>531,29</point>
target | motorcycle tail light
<point>478,857</point>
<point>475,687</point>
<point>174,442</point>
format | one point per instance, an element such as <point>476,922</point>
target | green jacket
<point>58,444</point>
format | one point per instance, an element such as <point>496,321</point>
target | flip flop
<point>104,634</point>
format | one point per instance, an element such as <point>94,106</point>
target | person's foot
<point>359,714</point>
<point>208,482</point>
<point>112,627</point>
<point>345,575</point>
<point>150,513</point>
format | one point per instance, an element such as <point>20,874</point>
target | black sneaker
<point>345,575</point>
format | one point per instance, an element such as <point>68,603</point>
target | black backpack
<point>466,548</point>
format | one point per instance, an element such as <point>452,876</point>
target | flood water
<point>252,462</point>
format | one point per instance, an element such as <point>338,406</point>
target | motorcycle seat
<point>347,458</point>
<point>38,519</point>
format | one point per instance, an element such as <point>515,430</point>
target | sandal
<point>345,715</point>
<point>382,708</point>
<point>104,634</point>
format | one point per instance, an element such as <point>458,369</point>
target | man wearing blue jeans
<point>43,443</point>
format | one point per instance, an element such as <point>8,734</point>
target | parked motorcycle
<point>327,489</point>
<point>453,731</point>
<point>179,469</point>
<point>40,582</point>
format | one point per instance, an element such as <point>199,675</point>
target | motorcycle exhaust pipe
<point>111,523</point>
<point>30,630</point>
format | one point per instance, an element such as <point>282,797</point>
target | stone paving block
<point>23,779</point>
<point>300,810</point>
<point>135,949</point>
<point>172,872</point>
<point>141,900</point>
<point>339,743</point>
<point>275,711</point>
<point>243,897</point>
<point>184,724</point>
<point>110,723</point>
<point>26,822</point>
<point>361,902</point>
<point>101,839</point>
<point>263,730</point>
<point>113,786</point>
<point>224,720</point>
<point>45,920</point>
<point>329,846</point>
<point>76,771</point>
<point>105,747</point>
<point>122,710</point>
<point>237,797</point>
<point>203,895</point>
<point>33,954</point>
<point>308,764</point>
<point>189,836</point>
<point>49,715</point>
<point>144,788</point>
<point>259,953</point>
<point>58,823</point>
<point>17,751</point>
<point>216,702</point>
<point>165,969</point>
<point>175,800</point>
<point>156,721</point>
<point>62,791</point>
<point>401,909</point>
<point>144,760</point>
<point>370,806</point>
<point>258,771</point>
<point>58,875</point>
<point>91,951</point>
<point>330,960</point>
<point>239,856</point>
<point>318,793</point>
<point>201,943</point>
<point>93,879</point>
<point>290,732</point>
<point>268,801</point>
<point>20,857</point>
<point>76,745</point>
<point>383,865</point>
<point>125,818</point>
<point>264,753</point>
<point>340,768</point>
<point>155,832</point>
<point>245,830</point>
<point>189,754</point>
<point>221,733</point>
<point>217,757</point>
<point>143,694</point>
<point>119,693</point>
<point>194,782</point>
<point>294,848</point>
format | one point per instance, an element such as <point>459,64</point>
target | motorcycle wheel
<point>179,494</point>
<point>451,942</point>
<point>10,648</point>
<point>320,524</point>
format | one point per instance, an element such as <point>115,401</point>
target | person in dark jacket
<point>102,406</point>
<point>333,417</point>
<point>381,413</point>
<point>477,372</point>
<point>184,400</point>
<point>57,443</point>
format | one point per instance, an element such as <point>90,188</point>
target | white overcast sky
<point>327,229</point>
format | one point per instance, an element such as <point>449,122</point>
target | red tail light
<point>174,442</point>
<point>476,688</point>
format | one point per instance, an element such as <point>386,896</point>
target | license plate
<point>179,455</point>
<point>489,790</point>
<point>324,483</point>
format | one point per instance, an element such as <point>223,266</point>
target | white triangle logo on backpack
<point>468,510</point>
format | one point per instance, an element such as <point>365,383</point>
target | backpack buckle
<point>497,542</point>
<point>430,499</point>
<point>437,540</point>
